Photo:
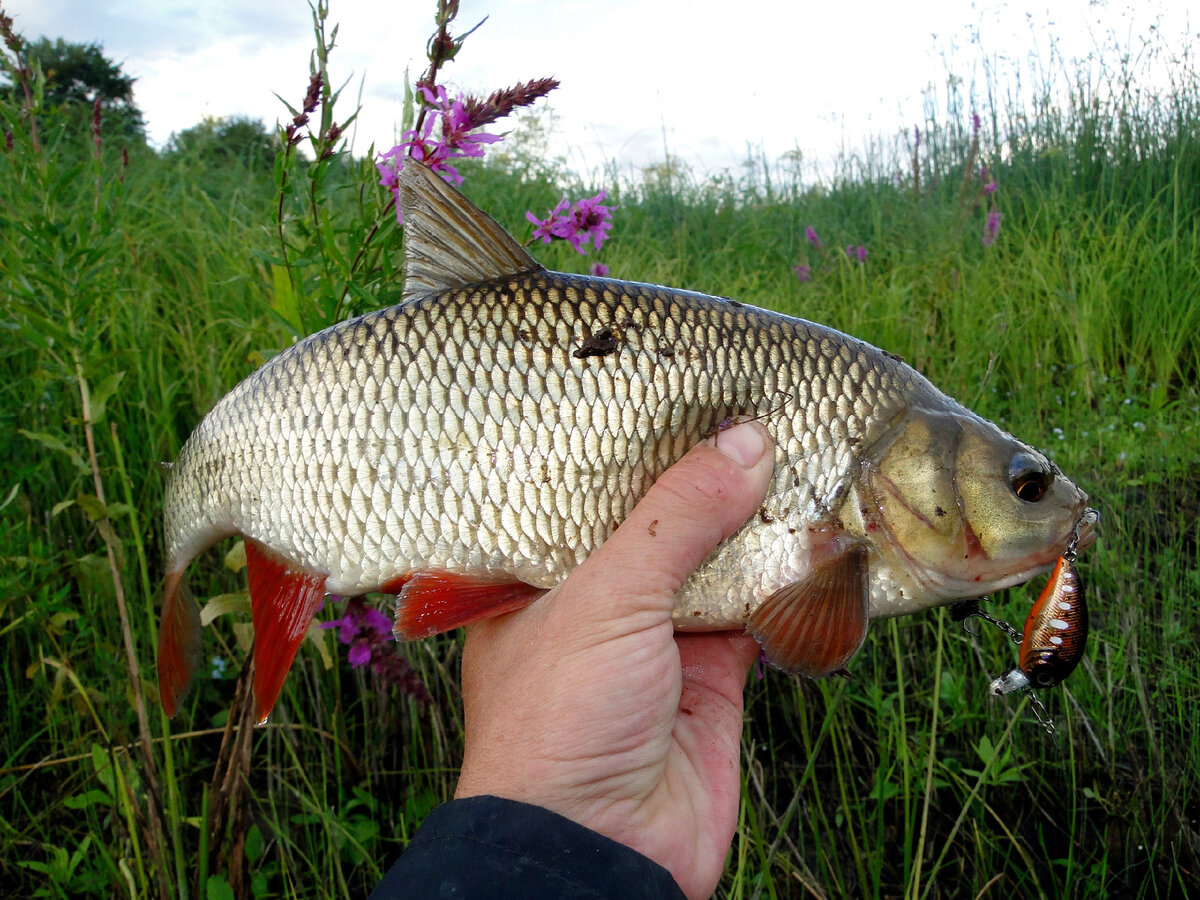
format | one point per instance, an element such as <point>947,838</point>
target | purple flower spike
<point>599,269</point>
<point>810,235</point>
<point>803,272</point>
<point>991,228</point>
<point>456,142</point>
<point>976,123</point>
<point>857,252</point>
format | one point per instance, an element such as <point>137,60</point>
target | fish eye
<point>1029,477</point>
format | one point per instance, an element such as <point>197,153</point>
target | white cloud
<point>710,75</point>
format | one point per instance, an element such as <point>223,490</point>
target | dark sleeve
<point>498,849</point>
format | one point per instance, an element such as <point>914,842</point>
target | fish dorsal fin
<point>448,241</point>
<point>813,627</point>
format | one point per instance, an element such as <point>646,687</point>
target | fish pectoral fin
<point>178,643</point>
<point>433,602</point>
<point>813,627</point>
<point>283,600</point>
<point>448,241</point>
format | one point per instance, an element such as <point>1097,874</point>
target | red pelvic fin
<point>433,602</point>
<point>283,600</point>
<point>813,627</point>
<point>178,643</point>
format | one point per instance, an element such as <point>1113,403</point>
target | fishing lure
<point>1055,634</point>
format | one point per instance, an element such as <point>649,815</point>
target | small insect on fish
<point>1056,630</point>
<point>466,449</point>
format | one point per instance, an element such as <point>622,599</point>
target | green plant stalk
<point>915,884</point>
<point>902,749</point>
<point>157,833</point>
<point>127,803</point>
<point>174,803</point>
<point>966,805</point>
<point>856,851</point>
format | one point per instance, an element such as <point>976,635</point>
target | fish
<point>467,448</point>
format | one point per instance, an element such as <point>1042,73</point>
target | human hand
<point>588,704</point>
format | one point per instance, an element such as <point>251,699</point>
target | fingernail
<point>743,443</point>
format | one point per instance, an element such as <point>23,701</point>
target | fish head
<point>954,508</point>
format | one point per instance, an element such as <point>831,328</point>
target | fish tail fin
<point>178,642</point>
<point>433,602</point>
<point>283,600</point>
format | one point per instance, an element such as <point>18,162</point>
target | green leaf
<point>102,766</point>
<point>101,395</point>
<point>222,604</point>
<point>92,506</point>
<point>218,888</point>
<point>11,495</point>
<point>254,845</point>
<point>88,799</point>
<point>235,559</point>
<point>283,301</point>
<point>51,442</point>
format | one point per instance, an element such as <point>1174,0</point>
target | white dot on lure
<point>1064,605</point>
<point>1055,639</point>
<point>1059,624</point>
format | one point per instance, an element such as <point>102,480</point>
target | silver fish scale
<point>508,427</point>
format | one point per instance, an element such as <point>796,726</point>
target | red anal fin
<point>433,602</point>
<point>813,627</point>
<point>178,643</point>
<point>283,600</point>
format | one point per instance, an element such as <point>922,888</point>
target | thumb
<point>687,512</point>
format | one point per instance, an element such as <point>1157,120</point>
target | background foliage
<point>138,286</point>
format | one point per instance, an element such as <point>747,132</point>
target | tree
<point>79,74</point>
<point>224,141</point>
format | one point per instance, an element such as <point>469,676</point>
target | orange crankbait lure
<point>1055,633</point>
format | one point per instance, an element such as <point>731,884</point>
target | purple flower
<point>586,220</point>
<point>555,225</point>
<point>377,621</point>
<point>359,655</point>
<point>857,252</point>
<point>346,626</point>
<point>991,228</point>
<point>976,123</point>
<point>599,269</point>
<point>803,272</point>
<point>810,234</point>
<point>368,632</point>
<point>990,187</point>
<point>456,142</point>
<point>916,136</point>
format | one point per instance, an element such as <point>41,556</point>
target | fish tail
<point>178,642</point>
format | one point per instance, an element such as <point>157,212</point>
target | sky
<point>703,80</point>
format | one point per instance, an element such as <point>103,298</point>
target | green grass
<point>1078,330</point>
